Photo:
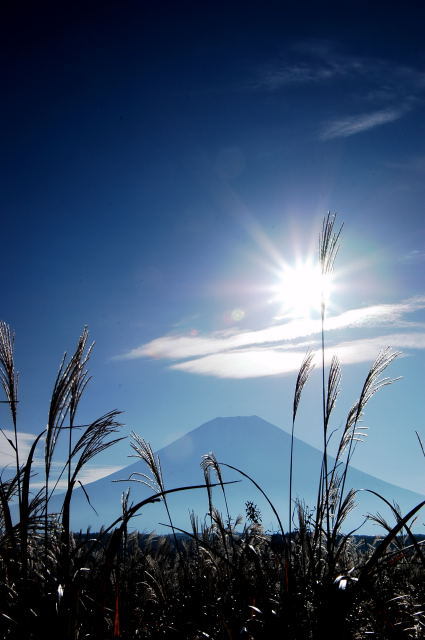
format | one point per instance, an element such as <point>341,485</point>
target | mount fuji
<point>258,448</point>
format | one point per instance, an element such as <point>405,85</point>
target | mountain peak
<point>249,443</point>
<point>235,423</point>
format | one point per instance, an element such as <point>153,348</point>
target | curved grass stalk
<point>144,451</point>
<point>352,432</point>
<point>370,565</point>
<point>9,382</point>
<point>90,444</point>
<point>229,466</point>
<point>67,390</point>
<point>328,249</point>
<point>304,372</point>
<point>156,497</point>
<point>209,461</point>
<point>396,512</point>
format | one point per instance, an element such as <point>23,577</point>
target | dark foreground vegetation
<point>226,578</point>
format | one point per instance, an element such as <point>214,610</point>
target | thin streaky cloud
<point>247,363</point>
<point>415,164</point>
<point>257,363</point>
<point>414,340</point>
<point>274,78</point>
<point>25,441</point>
<point>413,257</point>
<point>314,62</point>
<point>87,475</point>
<point>352,125</point>
<point>310,66</point>
<point>179,347</point>
<point>7,453</point>
<point>392,89</point>
<point>376,315</point>
<point>405,324</point>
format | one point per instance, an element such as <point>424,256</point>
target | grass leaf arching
<point>9,382</point>
<point>304,372</point>
<point>328,243</point>
<point>328,249</point>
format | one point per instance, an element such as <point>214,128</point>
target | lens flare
<point>237,315</point>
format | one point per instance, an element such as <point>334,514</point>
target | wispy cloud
<point>278,349</point>
<point>389,90</point>
<point>178,347</point>
<point>7,453</point>
<point>303,73</point>
<point>257,363</point>
<point>25,440</point>
<point>351,125</point>
<point>320,61</point>
<point>415,164</point>
<point>246,363</point>
<point>415,256</point>
<point>307,63</point>
<point>87,475</point>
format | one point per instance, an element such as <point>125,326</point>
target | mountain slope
<point>250,443</point>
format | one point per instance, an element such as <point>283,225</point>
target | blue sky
<point>163,163</point>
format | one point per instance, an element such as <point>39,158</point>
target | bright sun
<point>300,290</point>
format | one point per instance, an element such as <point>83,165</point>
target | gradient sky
<point>161,162</point>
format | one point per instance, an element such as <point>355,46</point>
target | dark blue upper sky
<point>160,160</point>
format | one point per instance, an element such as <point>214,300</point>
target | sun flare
<point>301,288</point>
